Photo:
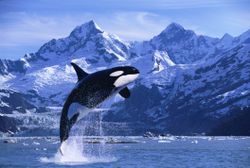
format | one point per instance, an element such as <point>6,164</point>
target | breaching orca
<point>90,91</point>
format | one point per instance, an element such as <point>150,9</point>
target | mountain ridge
<point>182,75</point>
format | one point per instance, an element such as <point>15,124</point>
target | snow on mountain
<point>9,66</point>
<point>88,41</point>
<point>200,96</point>
<point>185,78</point>
<point>183,46</point>
<point>48,72</point>
<point>196,99</point>
<point>226,41</point>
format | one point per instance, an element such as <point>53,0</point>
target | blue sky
<point>28,24</point>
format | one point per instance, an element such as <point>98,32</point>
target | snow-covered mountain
<point>183,46</point>
<point>188,84</point>
<point>197,99</point>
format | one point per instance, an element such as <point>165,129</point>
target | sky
<point>25,25</point>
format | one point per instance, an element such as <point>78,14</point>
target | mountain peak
<point>227,36</point>
<point>87,28</point>
<point>91,24</point>
<point>173,27</point>
<point>175,30</point>
<point>245,35</point>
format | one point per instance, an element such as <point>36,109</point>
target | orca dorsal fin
<point>79,71</point>
<point>125,92</point>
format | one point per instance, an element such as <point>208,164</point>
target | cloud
<point>141,21</point>
<point>135,25</point>
<point>28,24</point>
<point>180,4</point>
<point>239,19</point>
<point>26,29</point>
<point>25,32</point>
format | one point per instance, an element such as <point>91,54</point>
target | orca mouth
<point>135,71</point>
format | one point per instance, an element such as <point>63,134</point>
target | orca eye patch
<point>116,73</point>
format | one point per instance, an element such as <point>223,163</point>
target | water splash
<point>77,151</point>
<point>74,155</point>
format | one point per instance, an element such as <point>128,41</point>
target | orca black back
<point>91,90</point>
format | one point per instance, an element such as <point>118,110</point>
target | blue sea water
<point>123,152</point>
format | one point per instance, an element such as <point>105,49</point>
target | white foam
<point>164,141</point>
<point>73,155</point>
<point>36,143</point>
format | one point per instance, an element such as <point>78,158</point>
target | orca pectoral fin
<point>125,92</point>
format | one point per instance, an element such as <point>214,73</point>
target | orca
<point>90,91</point>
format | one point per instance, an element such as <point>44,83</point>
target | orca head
<point>122,76</point>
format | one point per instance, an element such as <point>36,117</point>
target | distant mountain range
<point>189,83</point>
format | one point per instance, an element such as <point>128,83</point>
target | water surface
<point>135,152</point>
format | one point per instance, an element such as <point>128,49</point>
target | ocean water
<point>131,152</point>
